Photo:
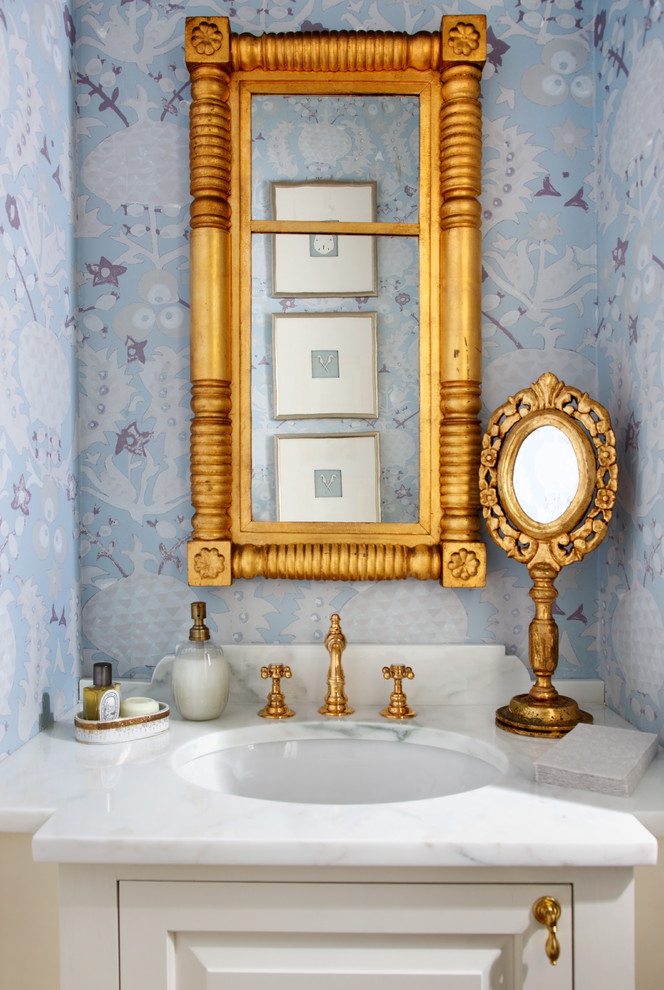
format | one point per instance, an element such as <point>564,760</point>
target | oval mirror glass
<point>546,474</point>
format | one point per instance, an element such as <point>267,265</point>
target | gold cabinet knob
<point>398,706</point>
<point>547,912</point>
<point>276,706</point>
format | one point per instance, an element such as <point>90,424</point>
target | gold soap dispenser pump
<point>200,672</point>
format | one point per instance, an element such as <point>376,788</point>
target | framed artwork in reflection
<point>324,264</point>
<point>325,365</point>
<point>328,478</point>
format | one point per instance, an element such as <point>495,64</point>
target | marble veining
<point>444,675</point>
<point>126,804</point>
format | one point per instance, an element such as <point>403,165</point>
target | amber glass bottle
<point>101,701</point>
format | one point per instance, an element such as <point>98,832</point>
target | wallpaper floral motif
<point>627,194</point>
<point>39,590</point>
<point>95,326</point>
<point>539,312</point>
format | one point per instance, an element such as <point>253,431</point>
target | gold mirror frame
<point>445,68</point>
<point>547,547</point>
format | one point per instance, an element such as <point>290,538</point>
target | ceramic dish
<point>121,729</point>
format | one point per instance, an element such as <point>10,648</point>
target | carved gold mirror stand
<point>555,538</point>
<point>445,69</point>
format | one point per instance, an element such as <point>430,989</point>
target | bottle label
<point>109,706</point>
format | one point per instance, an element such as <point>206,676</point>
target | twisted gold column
<point>209,552</point>
<point>464,53</point>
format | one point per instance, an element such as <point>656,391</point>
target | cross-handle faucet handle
<point>276,706</point>
<point>398,706</point>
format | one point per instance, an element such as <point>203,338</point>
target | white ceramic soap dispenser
<point>200,672</point>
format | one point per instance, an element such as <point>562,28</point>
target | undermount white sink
<point>354,763</point>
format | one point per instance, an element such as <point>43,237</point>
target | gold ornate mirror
<point>548,482</point>
<point>320,529</point>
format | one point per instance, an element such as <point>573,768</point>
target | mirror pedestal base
<point>529,717</point>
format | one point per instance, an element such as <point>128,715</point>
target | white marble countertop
<point>124,803</point>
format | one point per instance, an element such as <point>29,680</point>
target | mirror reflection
<point>337,362</point>
<point>546,474</point>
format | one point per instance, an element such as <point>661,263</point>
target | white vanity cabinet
<point>167,885</point>
<point>449,929</point>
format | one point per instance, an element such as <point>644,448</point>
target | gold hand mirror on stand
<point>548,482</point>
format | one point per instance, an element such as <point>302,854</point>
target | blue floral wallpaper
<point>39,586</point>
<point>94,290</point>
<point>627,197</point>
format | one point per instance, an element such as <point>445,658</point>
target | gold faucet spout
<point>336,702</point>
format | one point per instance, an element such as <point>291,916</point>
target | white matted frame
<point>328,478</point>
<point>324,365</point>
<point>324,264</point>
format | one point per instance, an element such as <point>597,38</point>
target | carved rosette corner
<point>463,39</point>
<point>464,565</point>
<point>209,563</point>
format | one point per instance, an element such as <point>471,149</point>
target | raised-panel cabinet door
<point>246,936</point>
<point>205,961</point>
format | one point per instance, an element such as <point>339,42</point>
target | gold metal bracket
<point>398,706</point>
<point>276,706</point>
